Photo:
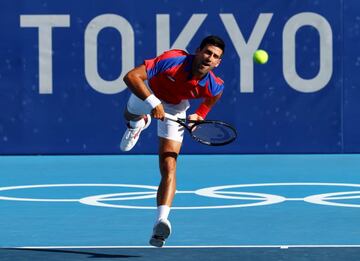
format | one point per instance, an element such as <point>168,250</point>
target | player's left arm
<point>205,107</point>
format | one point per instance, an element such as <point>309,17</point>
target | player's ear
<point>218,63</point>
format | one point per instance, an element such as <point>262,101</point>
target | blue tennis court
<point>250,207</point>
<point>73,187</point>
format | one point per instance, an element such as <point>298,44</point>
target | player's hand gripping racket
<point>208,132</point>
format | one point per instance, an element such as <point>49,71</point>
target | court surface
<point>227,207</point>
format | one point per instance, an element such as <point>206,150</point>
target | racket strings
<point>213,133</point>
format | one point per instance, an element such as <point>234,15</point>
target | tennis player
<point>165,84</point>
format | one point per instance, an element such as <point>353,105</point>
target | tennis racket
<point>208,132</point>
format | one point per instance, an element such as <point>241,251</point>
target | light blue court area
<point>224,203</point>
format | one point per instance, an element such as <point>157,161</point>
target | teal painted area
<point>28,223</point>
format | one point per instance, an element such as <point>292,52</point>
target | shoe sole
<point>161,230</point>
<point>156,242</point>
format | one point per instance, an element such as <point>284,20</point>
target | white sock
<point>163,212</point>
<point>137,124</point>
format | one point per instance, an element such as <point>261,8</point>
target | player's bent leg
<point>133,131</point>
<point>137,114</point>
<point>136,124</point>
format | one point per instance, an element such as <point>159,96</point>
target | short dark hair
<point>213,40</point>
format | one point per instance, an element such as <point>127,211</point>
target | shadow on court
<point>184,254</point>
<point>60,254</point>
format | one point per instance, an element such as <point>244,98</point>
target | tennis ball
<point>261,56</point>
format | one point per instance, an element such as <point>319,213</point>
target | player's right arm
<point>135,80</point>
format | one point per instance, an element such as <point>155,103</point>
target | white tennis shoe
<point>161,232</point>
<point>131,135</point>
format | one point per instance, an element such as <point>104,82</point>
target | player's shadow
<point>64,251</point>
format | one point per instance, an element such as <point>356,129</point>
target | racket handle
<point>170,117</point>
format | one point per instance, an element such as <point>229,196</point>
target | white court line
<point>203,246</point>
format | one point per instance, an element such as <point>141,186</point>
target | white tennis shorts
<point>166,129</point>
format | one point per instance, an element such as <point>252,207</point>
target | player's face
<point>206,59</point>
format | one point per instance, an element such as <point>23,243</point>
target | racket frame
<point>194,123</point>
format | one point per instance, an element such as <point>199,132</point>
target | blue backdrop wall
<point>62,63</point>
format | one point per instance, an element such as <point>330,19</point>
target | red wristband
<point>203,110</point>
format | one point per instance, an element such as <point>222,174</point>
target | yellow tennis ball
<point>261,56</point>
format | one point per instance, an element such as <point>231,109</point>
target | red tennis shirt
<point>170,79</point>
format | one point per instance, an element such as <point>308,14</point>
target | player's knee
<point>131,117</point>
<point>168,167</point>
<point>168,163</point>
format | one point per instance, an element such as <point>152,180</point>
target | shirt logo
<point>170,78</point>
<point>195,92</point>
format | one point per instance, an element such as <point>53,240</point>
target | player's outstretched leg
<point>133,131</point>
<point>161,232</point>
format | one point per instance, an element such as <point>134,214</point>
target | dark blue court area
<point>164,254</point>
<point>227,207</point>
